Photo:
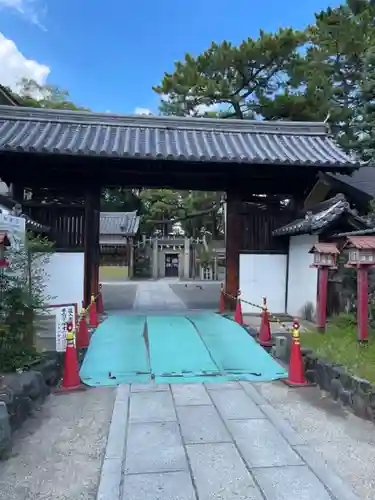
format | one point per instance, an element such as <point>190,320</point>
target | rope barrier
<point>262,308</point>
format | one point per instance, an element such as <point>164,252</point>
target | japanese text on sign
<point>64,315</point>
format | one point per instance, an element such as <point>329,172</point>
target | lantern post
<point>325,256</point>
<point>361,256</point>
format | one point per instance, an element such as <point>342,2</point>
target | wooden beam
<point>91,240</point>
<point>318,194</point>
<point>233,246</point>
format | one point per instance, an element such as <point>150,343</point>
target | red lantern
<point>325,255</point>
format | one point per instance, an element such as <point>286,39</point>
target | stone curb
<point>22,393</point>
<point>111,472</point>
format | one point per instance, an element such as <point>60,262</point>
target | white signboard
<point>15,228</point>
<point>64,315</point>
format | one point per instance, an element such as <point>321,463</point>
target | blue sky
<point>108,54</point>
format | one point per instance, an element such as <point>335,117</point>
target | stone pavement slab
<point>235,405</point>
<point>190,394</point>
<point>219,472</point>
<point>154,447</point>
<point>225,442</point>
<point>261,444</point>
<point>158,296</point>
<point>286,483</point>
<point>170,485</point>
<point>152,407</point>
<point>202,424</point>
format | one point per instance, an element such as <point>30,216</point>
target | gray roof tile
<point>169,138</point>
<point>362,179</point>
<point>315,222</point>
<point>119,223</point>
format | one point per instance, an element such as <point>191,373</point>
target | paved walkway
<point>157,296</point>
<point>209,442</point>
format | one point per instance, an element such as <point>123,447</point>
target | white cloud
<point>32,10</point>
<point>142,111</point>
<point>14,65</point>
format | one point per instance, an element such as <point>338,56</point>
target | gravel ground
<point>345,441</point>
<point>57,454</point>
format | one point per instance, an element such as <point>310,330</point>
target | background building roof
<point>322,217</point>
<point>119,223</point>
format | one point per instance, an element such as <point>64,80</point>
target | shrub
<point>22,295</point>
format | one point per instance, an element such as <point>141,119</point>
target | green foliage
<point>324,73</point>
<point>120,199</point>
<point>233,77</point>
<point>340,346</point>
<point>205,257</point>
<point>197,212</point>
<point>22,293</point>
<point>45,96</point>
<point>344,321</point>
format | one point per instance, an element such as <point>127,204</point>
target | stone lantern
<point>361,256</point>
<point>325,255</point>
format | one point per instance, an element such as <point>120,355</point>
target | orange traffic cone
<point>296,377</point>
<point>100,300</point>
<point>238,318</point>
<point>71,378</point>
<point>221,301</point>
<point>265,337</point>
<point>93,317</point>
<point>83,338</point>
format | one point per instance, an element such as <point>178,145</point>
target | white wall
<point>65,283</point>
<point>263,276</point>
<point>302,282</point>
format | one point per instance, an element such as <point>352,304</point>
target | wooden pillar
<point>96,263</point>
<point>17,192</point>
<point>91,242</point>
<point>233,243</point>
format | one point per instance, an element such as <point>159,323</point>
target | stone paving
<point>209,442</point>
<point>157,296</point>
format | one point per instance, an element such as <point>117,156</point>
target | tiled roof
<point>362,179</point>
<point>325,248</point>
<point>315,222</point>
<point>361,242</point>
<point>119,223</point>
<point>169,138</point>
<point>360,232</point>
<point>8,97</point>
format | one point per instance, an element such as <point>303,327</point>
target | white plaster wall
<point>263,276</point>
<point>65,282</point>
<point>302,279</point>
